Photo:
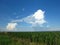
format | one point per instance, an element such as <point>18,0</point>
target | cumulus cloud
<point>11,26</point>
<point>34,19</point>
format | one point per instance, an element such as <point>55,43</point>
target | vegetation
<point>29,38</point>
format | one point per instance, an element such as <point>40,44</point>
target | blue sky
<point>11,10</point>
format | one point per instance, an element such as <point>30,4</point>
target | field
<point>29,38</point>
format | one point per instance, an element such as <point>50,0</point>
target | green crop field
<point>29,38</point>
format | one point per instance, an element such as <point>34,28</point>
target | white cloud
<point>15,21</point>
<point>17,16</point>
<point>39,14</point>
<point>11,26</point>
<point>14,13</point>
<point>34,19</point>
<point>23,9</point>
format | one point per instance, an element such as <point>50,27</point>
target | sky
<point>29,15</point>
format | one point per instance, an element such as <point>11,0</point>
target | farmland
<point>29,38</point>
